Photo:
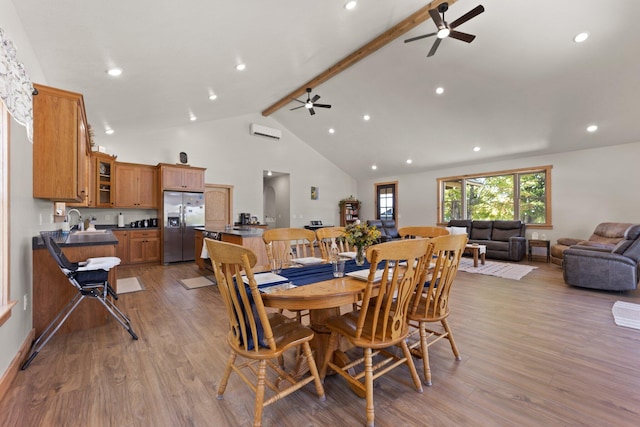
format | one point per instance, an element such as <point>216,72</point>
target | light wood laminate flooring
<point>534,352</point>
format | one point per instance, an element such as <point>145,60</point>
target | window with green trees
<point>523,194</point>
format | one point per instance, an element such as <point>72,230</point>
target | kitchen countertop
<point>236,231</point>
<point>73,239</point>
<point>115,227</point>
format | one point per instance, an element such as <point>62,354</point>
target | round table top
<point>327,294</point>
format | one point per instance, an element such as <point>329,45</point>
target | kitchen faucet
<point>80,224</point>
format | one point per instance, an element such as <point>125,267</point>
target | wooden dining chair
<point>324,238</point>
<point>286,243</point>
<point>254,335</point>
<point>381,322</point>
<point>431,302</point>
<point>425,232</point>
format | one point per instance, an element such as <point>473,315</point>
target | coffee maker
<point>245,218</point>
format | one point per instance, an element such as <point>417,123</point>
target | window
<point>386,200</point>
<point>523,194</point>
<point>5,304</point>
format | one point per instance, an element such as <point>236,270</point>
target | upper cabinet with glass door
<point>104,180</point>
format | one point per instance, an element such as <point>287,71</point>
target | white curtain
<point>16,89</point>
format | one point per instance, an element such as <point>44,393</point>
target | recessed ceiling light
<point>269,173</point>
<point>332,130</point>
<point>592,128</point>
<point>579,38</point>
<point>192,117</point>
<point>241,67</point>
<point>374,167</point>
<point>114,72</point>
<point>476,149</point>
<point>109,131</point>
<point>366,117</point>
<point>439,90</point>
<point>213,96</point>
<point>409,161</point>
<point>350,5</point>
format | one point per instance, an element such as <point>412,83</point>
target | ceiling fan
<point>310,103</point>
<point>447,30</point>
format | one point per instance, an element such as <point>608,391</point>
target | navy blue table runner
<point>301,276</point>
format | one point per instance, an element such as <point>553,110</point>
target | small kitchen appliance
<point>245,218</point>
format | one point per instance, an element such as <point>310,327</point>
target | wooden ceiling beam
<point>383,39</point>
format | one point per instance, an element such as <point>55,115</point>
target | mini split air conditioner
<point>256,129</point>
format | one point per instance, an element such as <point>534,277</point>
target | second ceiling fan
<point>447,30</point>
<point>310,103</point>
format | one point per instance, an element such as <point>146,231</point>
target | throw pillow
<point>457,230</point>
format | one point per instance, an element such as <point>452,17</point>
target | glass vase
<point>360,255</point>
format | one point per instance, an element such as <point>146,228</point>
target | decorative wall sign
<point>314,193</point>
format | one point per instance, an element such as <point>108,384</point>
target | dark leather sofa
<point>504,239</point>
<point>387,228</point>
<point>595,267</point>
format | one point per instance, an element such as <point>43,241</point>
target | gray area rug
<point>626,314</point>
<point>498,269</point>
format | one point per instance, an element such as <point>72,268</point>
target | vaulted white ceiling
<point>522,88</point>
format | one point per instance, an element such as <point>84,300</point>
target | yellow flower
<point>362,235</point>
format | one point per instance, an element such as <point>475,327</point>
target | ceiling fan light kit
<point>445,29</point>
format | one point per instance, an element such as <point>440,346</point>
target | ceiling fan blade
<point>301,102</point>
<point>311,111</point>
<point>295,108</point>
<point>419,37</point>
<point>434,47</point>
<point>315,98</point>
<point>437,19</point>
<point>321,105</point>
<point>464,18</point>
<point>462,36</point>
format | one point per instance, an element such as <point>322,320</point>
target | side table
<point>536,243</point>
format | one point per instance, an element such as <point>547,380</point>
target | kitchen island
<point>247,236</point>
<point>51,288</point>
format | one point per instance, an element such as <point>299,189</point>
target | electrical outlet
<point>26,301</point>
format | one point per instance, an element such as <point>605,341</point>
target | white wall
<point>234,157</point>
<point>588,187</point>
<point>27,214</point>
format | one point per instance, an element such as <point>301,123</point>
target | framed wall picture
<point>314,193</point>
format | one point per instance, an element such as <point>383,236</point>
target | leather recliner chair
<point>606,269</point>
<point>605,236</point>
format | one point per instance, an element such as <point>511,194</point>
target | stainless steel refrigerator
<point>182,213</point>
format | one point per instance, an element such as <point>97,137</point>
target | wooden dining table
<point>323,299</point>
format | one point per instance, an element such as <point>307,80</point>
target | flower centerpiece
<point>361,236</point>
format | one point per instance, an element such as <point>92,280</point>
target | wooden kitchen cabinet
<point>52,290</point>
<point>103,182</point>
<point>144,246</point>
<point>61,146</point>
<point>136,186</point>
<point>181,178</point>
<point>122,249</point>
<point>199,242</point>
